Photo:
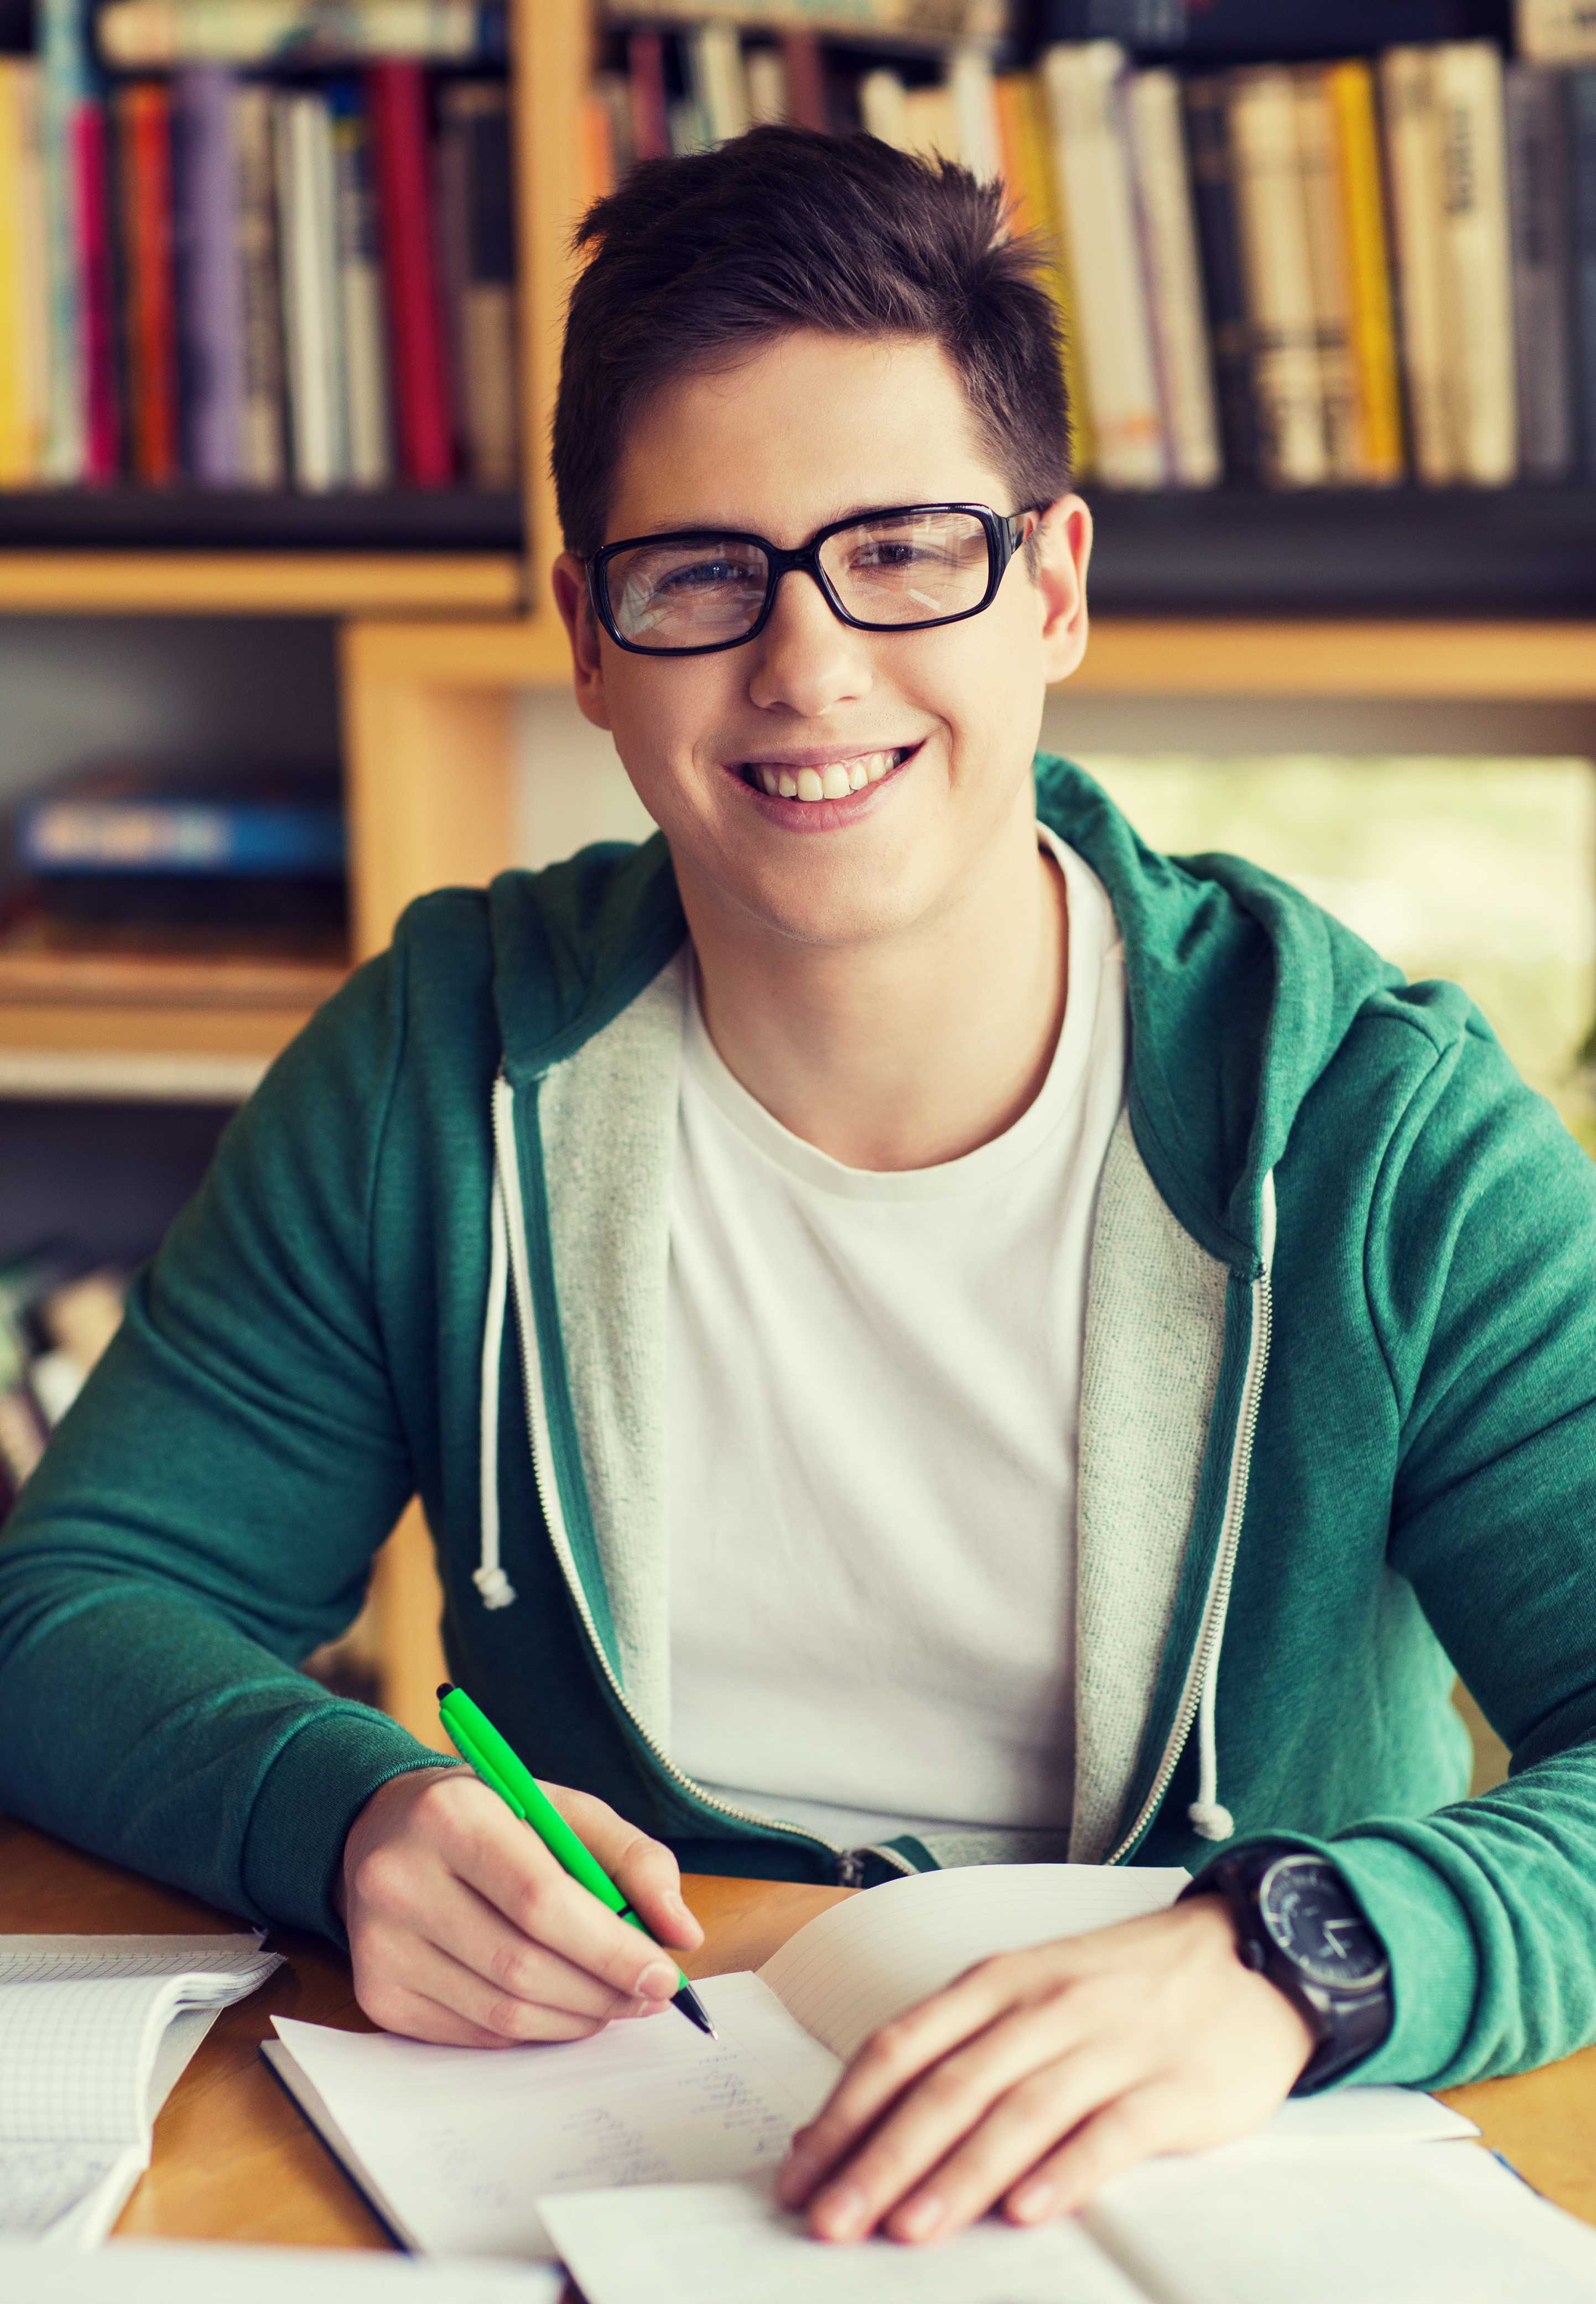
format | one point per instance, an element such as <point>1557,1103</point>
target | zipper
<point>1218,1597</point>
<point>847,1864</point>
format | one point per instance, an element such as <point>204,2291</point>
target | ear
<point>1064,547</point>
<point>568,580</point>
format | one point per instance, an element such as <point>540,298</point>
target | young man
<point>926,1332</point>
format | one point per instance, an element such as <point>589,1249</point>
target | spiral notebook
<point>93,2032</point>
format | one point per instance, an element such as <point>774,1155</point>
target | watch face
<point>1310,1916</point>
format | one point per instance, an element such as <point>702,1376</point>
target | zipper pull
<point>850,1868</point>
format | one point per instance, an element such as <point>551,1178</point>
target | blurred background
<point>281,288</point>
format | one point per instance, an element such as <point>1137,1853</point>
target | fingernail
<point>840,2215</point>
<point>1035,2203</point>
<point>920,2218</point>
<point>658,1981</point>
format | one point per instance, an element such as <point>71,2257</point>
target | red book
<point>806,79</point>
<point>97,280</point>
<point>397,93</point>
<point>144,118</point>
<point>645,71</point>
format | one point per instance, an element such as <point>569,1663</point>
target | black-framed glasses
<point>897,570</point>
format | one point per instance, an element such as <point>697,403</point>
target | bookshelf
<point>1400,594</point>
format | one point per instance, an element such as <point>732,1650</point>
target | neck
<point>910,1050</point>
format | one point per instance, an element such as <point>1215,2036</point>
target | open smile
<point>818,799</point>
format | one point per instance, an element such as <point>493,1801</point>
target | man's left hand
<point>1038,2075</point>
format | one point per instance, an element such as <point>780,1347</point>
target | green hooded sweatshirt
<point>1337,1436</point>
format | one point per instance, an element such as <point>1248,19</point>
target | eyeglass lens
<point>911,568</point>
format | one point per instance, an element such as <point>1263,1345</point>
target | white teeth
<point>834,781</point>
<point>876,766</point>
<point>787,787</point>
<point>810,786</point>
<point>858,775</point>
<point>768,777</point>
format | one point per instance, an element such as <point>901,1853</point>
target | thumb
<point>643,1869</point>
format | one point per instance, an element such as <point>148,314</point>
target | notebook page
<point>864,1961</point>
<point>456,2144</point>
<point>41,2185</point>
<point>205,2272</point>
<point>1442,2223</point>
<point>25,1959</point>
<point>730,2243</point>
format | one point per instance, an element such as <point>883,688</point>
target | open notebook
<point>94,2031</point>
<point>453,2146</point>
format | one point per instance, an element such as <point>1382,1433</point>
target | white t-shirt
<point>874,1402</point>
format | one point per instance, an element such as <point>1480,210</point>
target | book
<point>23,316</point>
<point>313,324</point>
<point>1211,158</point>
<point>1427,2224</point>
<point>477,113</point>
<point>1581,169</point>
<point>645,72</point>
<point>1410,113</point>
<point>975,107</point>
<point>146,34</point>
<point>1029,174</point>
<point>357,258</point>
<point>1554,32</point>
<point>1468,80</point>
<point>103,437</point>
<point>1255,30</point>
<point>196,2272</point>
<point>804,71</point>
<point>1537,190</point>
<point>720,86</point>
<point>1277,269</point>
<point>94,2033</point>
<point>930,22</point>
<point>1168,240</point>
<point>454,2148</point>
<point>1084,84</point>
<point>130,819</point>
<point>766,85</point>
<point>142,110</point>
<point>1373,338</point>
<point>64,89</point>
<point>211,314</point>
<point>262,443</point>
<point>396,98</point>
<point>1329,273</point>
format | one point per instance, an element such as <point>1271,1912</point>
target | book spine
<point>806,78</point>
<point>1276,267</point>
<point>1329,274</point>
<point>64,87</point>
<point>1082,84</point>
<point>1035,145</point>
<point>210,292</point>
<point>975,112</point>
<point>1542,285</point>
<point>150,35</point>
<point>102,456</point>
<point>881,107</point>
<point>397,104</point>
<point>719,84</point>
<point>18,446</point>
<point>1581,164</point>
<point>360,295</point>
<point>1174,280</point>
<point>262,426</point>
<point>645,71</point>
<point>1368,270</point>
<point>1412,120</point>
<point>766,87</point>
<point>490,291</point>
<point>1554,32</point>
<point>146,189</point>
<point>310,307</point>
<point>1475,205</point>
<point>1206,103</point>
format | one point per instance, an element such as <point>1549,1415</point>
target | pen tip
<point>444,1688</point>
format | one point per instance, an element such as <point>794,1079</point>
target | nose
<point>806,659</point>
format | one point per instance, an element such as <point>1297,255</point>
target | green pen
<point>482,1747</point>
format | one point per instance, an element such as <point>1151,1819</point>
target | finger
<point>1143,2122</point>
<point>931,2116</point>
<point>644,1870</point>
<point>462,1923</point>
<point>1007,2142</point>
<point>889,2061</point>
<point>434,1975</point>
<point>508,1865</point>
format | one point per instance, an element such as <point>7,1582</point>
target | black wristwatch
<point>1298,1923</point>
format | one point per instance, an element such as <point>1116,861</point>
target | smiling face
<point>811,428</point>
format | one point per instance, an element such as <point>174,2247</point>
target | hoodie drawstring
<point>489,1577</point>
<point>1208,1817</point>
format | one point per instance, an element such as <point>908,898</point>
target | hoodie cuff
<point>312,1793</point>
<point>1435,1961</point>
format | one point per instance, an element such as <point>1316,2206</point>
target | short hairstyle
<point>699,259</point>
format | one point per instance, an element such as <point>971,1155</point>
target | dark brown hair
<point>697,259</point>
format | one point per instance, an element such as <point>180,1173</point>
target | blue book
<point>126,823</point>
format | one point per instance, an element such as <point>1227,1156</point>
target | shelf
<point>259,584</point>
<point>363,521</point>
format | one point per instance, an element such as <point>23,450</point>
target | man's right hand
<point>464,1928</point>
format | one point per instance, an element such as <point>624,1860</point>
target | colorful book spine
<point>143,111</point>
<point>20,314</point>
<point>397,104</point>
<point>1474,230</point>
<point>97,290</point>
<point>262,425</point>
<point>1212,161</point>
<point>1554,32</point>
<point>1329,274</point>
<point>150,35</point>
<point>645,71</point>
<point>1023,125</point>
<point>1581,169</point>
<point>211,277</point>
<point>313,336</point>
<point>1174,279</point>
<point>1410,113</point>
<point>480,111</point>
<point>1278,269</point>
<point>358,256</point>
<point>1542,277</point>
<point>64,88</point>
<point>1369,269</point>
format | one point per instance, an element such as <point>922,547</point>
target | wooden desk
<point>234,2160</point>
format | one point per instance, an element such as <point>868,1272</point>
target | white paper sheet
<point>455,2145</point>
<point>166,2272</point>
<point>731,2244</point>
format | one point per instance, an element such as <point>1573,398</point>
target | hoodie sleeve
<point>1480,1270</point>
<point>209,1510</point>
